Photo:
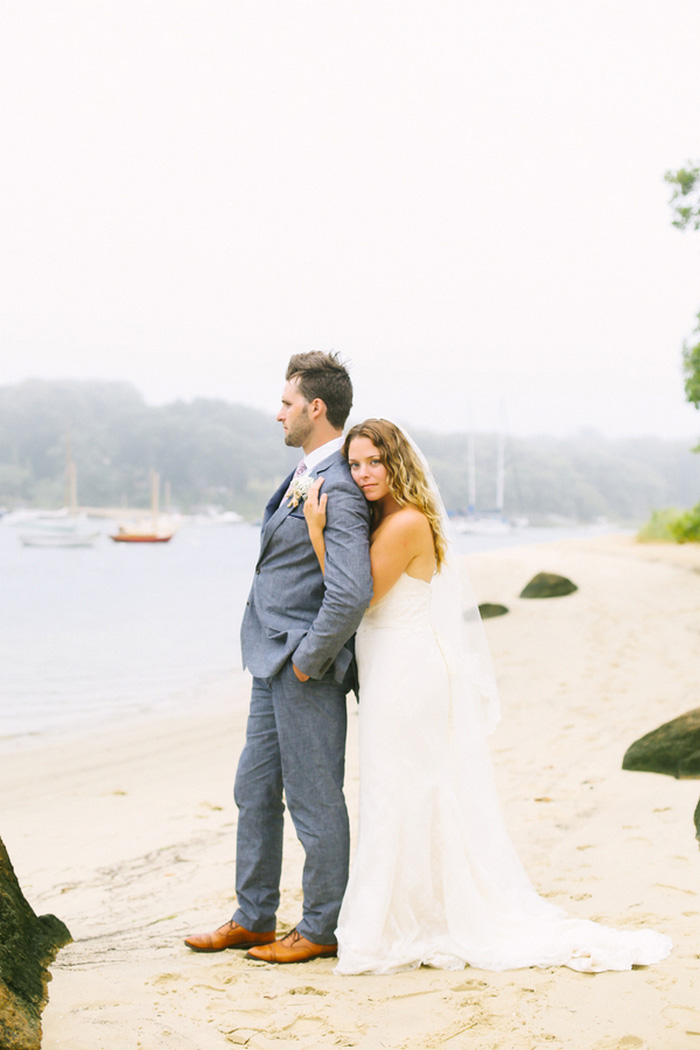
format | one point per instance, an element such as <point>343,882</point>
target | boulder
<point>487,610</point>
<point>28,945</point>
<point>697,821</point>
<point>548,585</point>
<point>673,748</point>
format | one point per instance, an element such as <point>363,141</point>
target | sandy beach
<point>129,837</point>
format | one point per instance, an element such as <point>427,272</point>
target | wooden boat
<point>127,534</point>
<point>153,531</point>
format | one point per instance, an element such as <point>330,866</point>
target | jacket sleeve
<point>348,579</point>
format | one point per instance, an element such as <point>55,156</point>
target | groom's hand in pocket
<point>300,674</point>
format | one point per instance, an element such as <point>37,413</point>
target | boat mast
<point>471,464</point>
<point>500,472</point>
<point>71,493</point>
<point>155,487</point>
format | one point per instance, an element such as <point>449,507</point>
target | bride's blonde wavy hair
<point>405,475</point>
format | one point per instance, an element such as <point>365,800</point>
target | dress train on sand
<point>435,879</point>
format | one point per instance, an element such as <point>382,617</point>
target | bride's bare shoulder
<point>408,521</point>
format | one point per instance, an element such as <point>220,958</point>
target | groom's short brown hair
<point>323,376</point>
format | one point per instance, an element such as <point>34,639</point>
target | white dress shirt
<point>322,452</point>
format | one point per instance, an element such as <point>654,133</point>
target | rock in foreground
<point>548,585</point>
<point>673,748</point>
<point>27,946</point>
<point>488,610</point>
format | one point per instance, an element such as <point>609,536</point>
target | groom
<point>297,643</point>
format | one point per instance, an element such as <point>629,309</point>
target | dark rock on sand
<point>548,585</point>
<point>673,748</point>
<point>28,944</point>
<point>488,610</point>
<point>697,822</point>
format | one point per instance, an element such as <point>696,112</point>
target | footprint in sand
<point>165,979</point>
<point>304,1026</point>
<point>686,1017</point>
<point>627,1042</point>
<point>240,1036</point>
<point>469,986</point>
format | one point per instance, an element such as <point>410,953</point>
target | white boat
<point>38,518</point>
<point>42,538</point>
<point>215,516</point>
<point>483,526</point>
<point>43,524</point>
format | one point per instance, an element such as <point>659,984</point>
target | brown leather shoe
<point>293,949</point>
<point>230,935</point>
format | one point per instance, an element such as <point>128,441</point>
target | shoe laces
<point>292,937</point>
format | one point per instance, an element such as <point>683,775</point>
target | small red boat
<point>141,537</point>
<point>146,531</point>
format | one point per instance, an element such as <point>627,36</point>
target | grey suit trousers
<point>296,742</point>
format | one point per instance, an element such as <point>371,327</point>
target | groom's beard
<point>298,432</point>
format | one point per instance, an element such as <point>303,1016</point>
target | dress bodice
<point>406,606</point>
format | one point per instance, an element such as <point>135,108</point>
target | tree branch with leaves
<point>685,203</point>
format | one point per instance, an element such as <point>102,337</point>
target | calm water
<point>116,631</point>
<point>113,630</point>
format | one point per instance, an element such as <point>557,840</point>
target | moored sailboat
<point>486,522</point>
<point>153,530</point>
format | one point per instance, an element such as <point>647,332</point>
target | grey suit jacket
<point>292,610</point>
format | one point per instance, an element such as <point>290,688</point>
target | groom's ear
<point>317,408</point>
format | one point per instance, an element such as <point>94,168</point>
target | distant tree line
<point>210,451</point>
<point>213,452</point>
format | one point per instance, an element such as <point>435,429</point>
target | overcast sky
<point>465,199</point>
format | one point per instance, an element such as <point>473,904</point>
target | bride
<point>435,879</point>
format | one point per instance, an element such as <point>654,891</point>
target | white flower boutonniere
<point>298,490</point>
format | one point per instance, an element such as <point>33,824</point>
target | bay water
<point>97,635</point>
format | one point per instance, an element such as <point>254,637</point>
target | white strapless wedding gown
<point>435,879</point>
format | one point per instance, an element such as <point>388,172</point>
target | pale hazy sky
<point>465,199</point>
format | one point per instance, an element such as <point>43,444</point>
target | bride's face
<point>367,469</point>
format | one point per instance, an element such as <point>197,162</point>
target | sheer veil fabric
<point>436,880</point>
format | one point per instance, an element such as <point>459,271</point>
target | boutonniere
<point>298,490</point>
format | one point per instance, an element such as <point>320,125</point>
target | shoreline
<point>128,835</point>
<point>213,696</point>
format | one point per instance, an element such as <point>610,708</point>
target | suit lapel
<point>275,499</point>
<point>275,514</point>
